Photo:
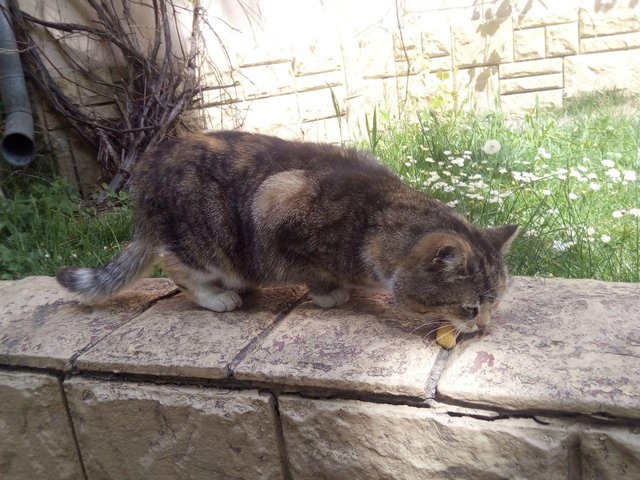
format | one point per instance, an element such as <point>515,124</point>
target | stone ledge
<point>42,325</point>
<point>129,430</point>
<point>551,391</point>
<point>554,345</point>
<point>559,346</point>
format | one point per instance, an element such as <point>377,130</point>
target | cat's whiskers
<point>431,322</point>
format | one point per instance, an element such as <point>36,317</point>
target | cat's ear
<point>439,251</point>
<point>449,256</point>
<point>501,237</point>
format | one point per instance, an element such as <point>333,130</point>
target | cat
<point>229,211</point>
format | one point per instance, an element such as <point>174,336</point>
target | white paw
<point>333,299</point>
<point>226,301</point>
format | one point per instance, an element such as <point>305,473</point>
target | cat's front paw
<point>226,301</point>
<point>333,299</point>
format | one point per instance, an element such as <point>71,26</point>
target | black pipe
<point>17,146</point>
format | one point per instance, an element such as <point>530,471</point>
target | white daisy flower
<point>605,238</point>
<point>572,196</point>
<point>608,163</point>
<point>634,212</point>
<point>617,214</point>
<point>613,174</point>
<point>629,175</point>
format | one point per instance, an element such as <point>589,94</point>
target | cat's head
<point>454,277</point>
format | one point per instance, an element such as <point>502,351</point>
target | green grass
<point>44,225</point>
<point>555,176</point>
<point>568,178</point>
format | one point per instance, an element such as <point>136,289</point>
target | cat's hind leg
<point>204,288</point>
<point>334,298</point>
<point>327,294</point>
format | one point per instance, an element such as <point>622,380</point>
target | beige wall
<point>287,56</point>
<point>284,59</point>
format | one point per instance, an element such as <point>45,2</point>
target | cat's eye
<point>487,298</point>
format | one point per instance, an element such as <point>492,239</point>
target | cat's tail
<point>96,283</point>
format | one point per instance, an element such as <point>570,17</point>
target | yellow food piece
<point>446,336</point>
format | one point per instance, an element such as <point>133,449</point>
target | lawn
<point>568,178</point>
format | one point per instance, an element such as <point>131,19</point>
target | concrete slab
<point>164,432</point>
<point>42,325</point>
<point>176,337</point>
<point>331,439</point>
<point>364,346</point>
<point>554,345</point>
<point>36,440</point>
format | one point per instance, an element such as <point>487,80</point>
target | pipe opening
<point>17,149</point>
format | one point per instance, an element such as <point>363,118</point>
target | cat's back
<point>235,155</point>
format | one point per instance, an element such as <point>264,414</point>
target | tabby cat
<point>229,211</point>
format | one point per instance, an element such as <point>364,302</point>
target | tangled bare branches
<point>159,78</point>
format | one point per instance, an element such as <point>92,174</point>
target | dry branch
<point>160,81</point>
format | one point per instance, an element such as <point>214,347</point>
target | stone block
<point>319,81</point>
<point>175,337</point>
<point>318,104</point>
<point>312,64</point>
<point>485,43</point>
<point>538,13</point>
<point>528,44</point>
<point>271,114</point>
<point>438,64</point>
<point>366,345</point>
<point>477,87</point>
<point>380,93</point>
<point>216,96</point>
<point>518,104</point>
<point>562,39</point>
<point>555,345</point>
<point>602,71</point>
<point>376,58</point>
<point>42,325</point>
<point>411,48</point>
<point>327,130</point>
<point>264,53</point>
<point>436,41</point>
<point>531,67</point>
<point>623,41</point>
<point>352,439</point>
<point>267,80</point>
<point>36,440</point>
<point>531,83</point>
<point>129,430</point>
<point>621,17</point>
<point>611,453</point>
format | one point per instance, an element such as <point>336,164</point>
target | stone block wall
<point>149,385</point>
<point>315,69</point>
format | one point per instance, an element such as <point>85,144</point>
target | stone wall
<point>315,69</point>
<point>148,385</point>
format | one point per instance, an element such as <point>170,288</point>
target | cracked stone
<point>43,325</point>
<point>36,440</point>
<point>166,432</point>
<point>176,337</point>
<point>555,345</point>
<point>366,345</point>
<point>330,439</point>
